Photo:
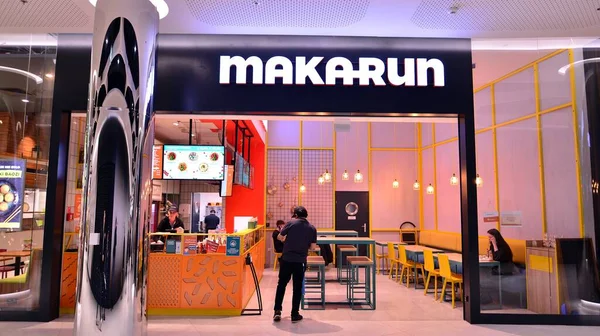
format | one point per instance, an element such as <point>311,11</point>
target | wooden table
<point>337,233</point>
<point>354,241</point>
<point>17,255</point>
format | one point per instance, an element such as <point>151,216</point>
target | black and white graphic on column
<point>114,132</point>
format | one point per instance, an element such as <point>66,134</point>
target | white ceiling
<point>418,18</point>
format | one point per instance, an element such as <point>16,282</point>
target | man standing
<point>298,236</point>
<point>212,221</point>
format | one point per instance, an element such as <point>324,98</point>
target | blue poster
<point>233,246</point>
<point>12,185</point>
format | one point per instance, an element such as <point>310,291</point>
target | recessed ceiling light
<point>49,75</point>
<point>193,135</point>
<point>25,100</point>
<point>161,7</point>
<point>176,123</point>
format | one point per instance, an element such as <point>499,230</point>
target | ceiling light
<point>176,123</point>
<point>161,7</point>
<point>25,100</point>
<point>358,177</point>
<point>49,75</point>
<point>35,77</point>
<point>302,188</point>
<point>327,176</point>
<point>430,189</point>
<point>479,181</point>
<point>321,180</point>
<point>345,175</point>
<point>416,185</point>
<point>395,184</point>
<point>453,180</point>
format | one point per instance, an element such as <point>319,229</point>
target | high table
<point>337,233</point>
<point>17,255</point>
<point>354,241</point>
<point>484,262</point>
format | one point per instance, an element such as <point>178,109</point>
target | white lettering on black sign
<point>370,70</point>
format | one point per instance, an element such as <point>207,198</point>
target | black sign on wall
<point>340,75</point>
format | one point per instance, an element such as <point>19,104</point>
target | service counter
<point>188,282</point>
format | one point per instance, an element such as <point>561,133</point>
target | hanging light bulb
<point>358,177</point>
<point>453,180</point>
<point>327,176</point>
<point>395,184</point>
<point>302,188</point>
<point>416,185</point>
<point>430,189</point>
<point>321,180</point>
<point>345,175</point>
<point>478,181</point>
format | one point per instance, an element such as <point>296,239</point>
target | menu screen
<point>157,162</point>
<point>193,162</point>
<point>12,184</point>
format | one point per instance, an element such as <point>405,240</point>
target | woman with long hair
<point>500,251</point>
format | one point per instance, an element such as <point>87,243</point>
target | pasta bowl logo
<point>370,71</point>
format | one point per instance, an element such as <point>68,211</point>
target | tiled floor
<point>400,311</point>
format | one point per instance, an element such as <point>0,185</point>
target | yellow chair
<point>431,271</point>
<point>381,260</point>
<point>393,261</point>
<point>408,266</point>
<point>449,277</point>
<point>277,256</point>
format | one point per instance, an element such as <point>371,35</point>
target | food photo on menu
<point>193,162</point>
<point>11,193</point>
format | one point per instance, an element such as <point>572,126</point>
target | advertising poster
<point>193,162</point>
<point>233,246</point>
<point>190,245</point>
<point>157,162</point>
<point>12,185</point>
<point>77,210</point>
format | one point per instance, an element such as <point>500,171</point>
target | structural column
<point>111,279</point>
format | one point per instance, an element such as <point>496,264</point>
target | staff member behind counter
<point>171,221</point>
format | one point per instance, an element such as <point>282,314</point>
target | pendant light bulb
<point>454,180</point>
<point>358,177</point>
<point>302,188</point>
<point>345,175</point>
<point>395,184</point>
<point>478,181</point>
<point>416,185</point>
<point>430,189</point>
<point>321,180</point>
<point>327,176</point>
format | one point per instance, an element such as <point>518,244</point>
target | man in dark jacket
<point>171,221</point>
<point>298,237</point>
<point>212,221</point>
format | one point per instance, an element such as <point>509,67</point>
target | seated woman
<point>500,251</point>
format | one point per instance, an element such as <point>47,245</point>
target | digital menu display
<point>157,162</point>
<point>193,162</point>
<point>12,184</point>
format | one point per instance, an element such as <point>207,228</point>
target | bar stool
<point>314,285</point>
<point>341,269</point>
<point>356,287</point>
<point>277,256</point>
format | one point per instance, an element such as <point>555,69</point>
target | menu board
<point>193,162</point>
<point>12,184</point>
<point>157,162</point>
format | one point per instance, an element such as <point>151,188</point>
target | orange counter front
<point>205,284</point>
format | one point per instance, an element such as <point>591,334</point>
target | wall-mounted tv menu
<point>227,183</point>
<point>243,172</point>
<point>193,162</point>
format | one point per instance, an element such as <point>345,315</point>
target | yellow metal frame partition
<point>537,115</point>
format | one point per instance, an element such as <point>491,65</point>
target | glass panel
<point>536,219</point>
<point>26,88</point>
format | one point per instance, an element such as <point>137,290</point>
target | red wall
<point>244,201</point>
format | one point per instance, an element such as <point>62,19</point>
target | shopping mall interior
<point>436,211</point>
